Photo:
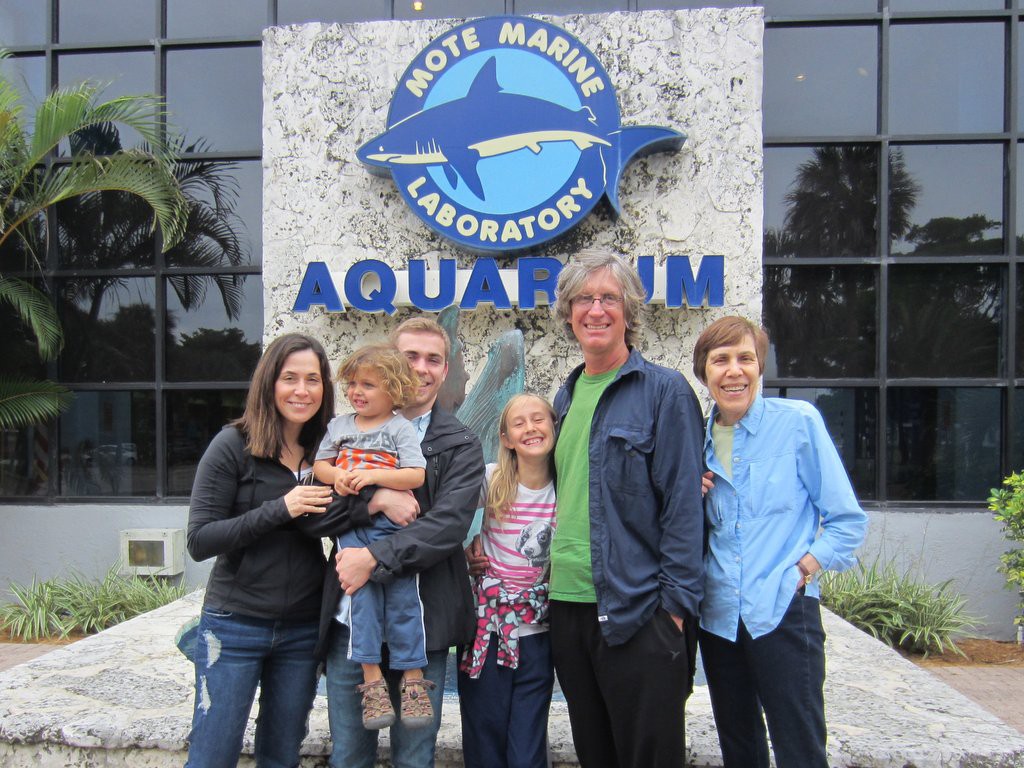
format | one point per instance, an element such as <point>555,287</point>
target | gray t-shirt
<point>392,445</point>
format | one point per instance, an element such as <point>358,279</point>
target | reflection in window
<point>1017,459</point>
<point>946,78</point>
<point>851,417</point>
<point>22,250</point>
<point>25,460</point>
<point>821,321</point>
<point>946,200</point>
<point>28,76</point>
<point>104,230</point>
<point>943,443</point>
<point>820,80</point>
<point>18,349</point>
<point>216,337</point>
<point>944,5</point>
<point>224,18</point>
<point>217,93</point>
<point>22,24</point>
<point>944,320</point>
<point>107,442</point>
<point>821,201</point>
<point>121,74</point>
<point>440,9</point>
<point>300,11</point>
<point>224,226</point>
<point>109,328</point>
<point>1019,307</point>
<point>106,21</point>
<point>193,418</point>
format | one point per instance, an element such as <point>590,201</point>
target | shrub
<point>1008,504</point>
<point>896,608</point>
<point>57,607</point>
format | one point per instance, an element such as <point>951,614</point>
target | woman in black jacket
<point>260,617</point>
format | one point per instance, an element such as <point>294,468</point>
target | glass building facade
<point>893,236</point>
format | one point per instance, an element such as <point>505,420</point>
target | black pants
<point>781,673</point>
<point>625,701</point>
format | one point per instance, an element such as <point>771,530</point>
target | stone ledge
<point>124,698</point>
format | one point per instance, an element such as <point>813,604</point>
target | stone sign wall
<point>327,89</point>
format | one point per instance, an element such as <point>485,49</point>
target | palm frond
<point>24,402</point>
<point>35,309</point>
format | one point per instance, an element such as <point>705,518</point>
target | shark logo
<point>505,133</point>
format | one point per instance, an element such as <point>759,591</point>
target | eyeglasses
<point>608,300</point>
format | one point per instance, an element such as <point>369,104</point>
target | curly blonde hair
<point>397,379</point>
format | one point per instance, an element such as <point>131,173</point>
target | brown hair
<point>261,422</point>
<point>576,272</point>
<point>501,491</point>
<point>725,332</point>
<point>422,324</point>
<point>396,377</point>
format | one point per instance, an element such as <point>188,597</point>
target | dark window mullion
<point>882,350</point>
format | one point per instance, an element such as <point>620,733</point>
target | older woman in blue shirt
<point>780,511</point>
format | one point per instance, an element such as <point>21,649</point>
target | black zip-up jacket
<point>265,566</point>
<point>431,545</point>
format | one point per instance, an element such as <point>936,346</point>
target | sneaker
<point>417,712</point>
<point>377,710</point>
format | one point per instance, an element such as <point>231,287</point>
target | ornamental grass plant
<point>61,606</point>
<point>897,608</point>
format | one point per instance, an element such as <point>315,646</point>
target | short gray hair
<point>577,271</point>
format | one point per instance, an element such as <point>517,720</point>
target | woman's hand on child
<point>476,559</point>
<point>306,499</point>
<point>706,482</point>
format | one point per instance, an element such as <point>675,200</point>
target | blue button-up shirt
<point>788,482</point>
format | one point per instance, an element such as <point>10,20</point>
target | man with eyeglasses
<point>626,564</point>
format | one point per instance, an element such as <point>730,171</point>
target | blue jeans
<point>355,746</point>
<point>505,711</point>
<point>782,674</point>
<point>233,654</point>
<point>385,611</point>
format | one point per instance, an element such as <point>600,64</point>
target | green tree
<point>32,183</point>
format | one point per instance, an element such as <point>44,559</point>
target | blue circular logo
<point>504,133</point>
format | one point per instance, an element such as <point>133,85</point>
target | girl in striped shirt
<point>506,675</point>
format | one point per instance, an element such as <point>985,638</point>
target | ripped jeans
<point>233,654</point>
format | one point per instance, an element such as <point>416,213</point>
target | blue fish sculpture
<point>487,121</point>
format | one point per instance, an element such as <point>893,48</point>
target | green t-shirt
<point>721,437</point>
<point>571,576</point>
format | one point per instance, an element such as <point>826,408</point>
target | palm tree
<point>31,183</point>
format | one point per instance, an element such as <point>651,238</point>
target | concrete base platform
<point>124,698</point>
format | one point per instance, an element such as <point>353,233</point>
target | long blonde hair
<point>504,485</point>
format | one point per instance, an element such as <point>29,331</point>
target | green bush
<point>58,607</point>
<point>1008,504</point>
<point>896,608</point>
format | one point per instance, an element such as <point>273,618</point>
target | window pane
<point>106,21</point>
<point>109,326</point>
<point>25,250</point>
<point>107,444</point>
<point>193,418</point>
<point>224,18</point>
<point>18,349</point>
<point>299,11</point>
<point>851,417</point>
<point>821,201</point>
<point>226,196</point>
<point>1020,326</point>
<point>22,23</point>
<point>25,460</point>
<point>1017,459</point>
<point>946,200</point>
<point>820,81</point>
<point>126,73</point>
<point>942,443</point>
<point>205,341</point>
<point>216,95</point>
<point>817,7</point>
<point>945,320</point>
<point>944,5</point>
<point>821,321</point>
<point>946,78</point>
<point>582,6</point>
<point>28,76</point>
<point>104,230</point>
<point>440,9</point>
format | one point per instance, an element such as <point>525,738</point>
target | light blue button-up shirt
<point>788,482</point>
